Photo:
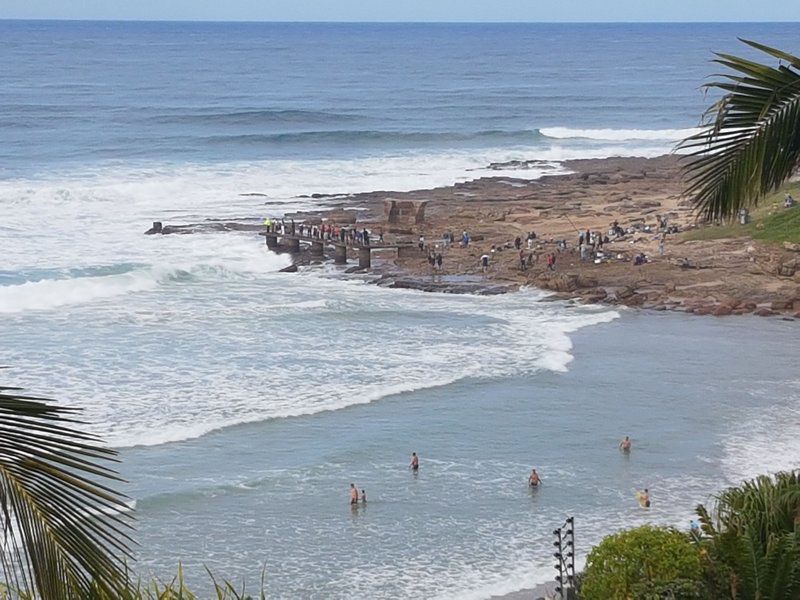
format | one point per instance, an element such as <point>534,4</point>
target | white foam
<point>402,359</point>
<point>620,135</point>
<point>764,438</point>
<point>47,294</point>
<point>219,302</point>
<point>54,293</point>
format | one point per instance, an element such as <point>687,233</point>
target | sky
<point>405,10</point>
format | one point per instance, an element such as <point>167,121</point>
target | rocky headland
<point>722,276</point>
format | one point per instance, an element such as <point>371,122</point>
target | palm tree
<point>750,143</point>
<point>65,531</point>
<point>754,539</point>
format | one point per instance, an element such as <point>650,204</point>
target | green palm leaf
<point>754,535</point>
<point>750,143</point>
<point>65,531</point>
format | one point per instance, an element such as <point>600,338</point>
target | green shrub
<point>752,539</point>
<point>643,563</point>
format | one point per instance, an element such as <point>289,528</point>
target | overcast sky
<point>406,10</point>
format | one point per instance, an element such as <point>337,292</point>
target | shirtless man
<point>625,445</point>
<point>414,464</point>
<point>353,494</point>
<point>534,480</point>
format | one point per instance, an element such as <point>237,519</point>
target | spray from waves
<point>141,190</point>
<point>765,440</point>
<point>427,345</point>
<point>81,286</point>
<point>54,293</point>
<point>134,437</point>
<point>619,135</point>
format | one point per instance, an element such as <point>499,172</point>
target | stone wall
<point>405,212</point>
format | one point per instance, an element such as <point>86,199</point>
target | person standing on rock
<point>521,260</point>
<point>439,261</point>
<point>421,243</point>
<point>485,262</point>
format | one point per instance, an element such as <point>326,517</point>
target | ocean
<point>245,401</point>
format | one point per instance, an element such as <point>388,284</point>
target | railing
<point>565,554</point>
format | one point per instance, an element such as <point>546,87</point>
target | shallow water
<point>706,402</point>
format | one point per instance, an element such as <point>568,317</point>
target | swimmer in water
<point>353,495</point>
<point>534,480</point>
<point>644,498</point>
<point>363,496</point>
<point>414,464</point>
<point>625,445</point>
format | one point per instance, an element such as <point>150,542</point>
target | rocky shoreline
<point>705,277</point>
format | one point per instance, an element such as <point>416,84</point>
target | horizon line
<point>396,22</point>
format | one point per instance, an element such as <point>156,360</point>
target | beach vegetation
<point>644,562</point>
<point>749,142</point>
<point>770,222</point>
<point>66,531</point>
<point>751,539</point>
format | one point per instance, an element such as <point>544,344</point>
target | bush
<point>644,563</point>
<point>752,539</point>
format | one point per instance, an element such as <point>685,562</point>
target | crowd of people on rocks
<point>589,244</point>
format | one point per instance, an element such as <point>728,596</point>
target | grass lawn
<point>770,222</point>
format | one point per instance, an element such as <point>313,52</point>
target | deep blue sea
<point>78,93</point>
<point>244,401</point>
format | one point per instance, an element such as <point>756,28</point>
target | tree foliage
<point>750,142</point>
<point>645,562</point>
<point>753,533</point>
<point>65,531</point>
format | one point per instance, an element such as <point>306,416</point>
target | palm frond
<point>750,143</point>
<point>66,531</point>
<point>754,534</point>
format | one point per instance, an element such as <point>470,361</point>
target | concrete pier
<point>277,241</point>
<point>340,254</point>
<point>292,244</point>
<point>364,257</point>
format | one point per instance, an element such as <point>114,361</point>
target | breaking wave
<point>619,135</point>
